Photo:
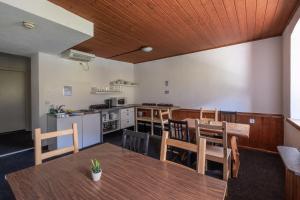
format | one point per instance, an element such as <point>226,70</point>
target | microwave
<point>119,101</point>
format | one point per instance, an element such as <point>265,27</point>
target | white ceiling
<point>49,36</point>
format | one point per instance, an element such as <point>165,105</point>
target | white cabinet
<point>127,117</point>
<point>58,124</point>
<point>91,129</point>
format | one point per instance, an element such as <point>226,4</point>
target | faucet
<point>60,108</point>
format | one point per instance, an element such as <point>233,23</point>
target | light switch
<point>166,83</point>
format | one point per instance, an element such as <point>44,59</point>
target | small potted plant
<point>96,169</point>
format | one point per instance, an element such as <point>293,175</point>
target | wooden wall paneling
<point>266,133</point>
<point>276,129</point>
<point>185,113</point>
<point>292,185</point>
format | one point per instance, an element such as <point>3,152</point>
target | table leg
<point>235,156</point>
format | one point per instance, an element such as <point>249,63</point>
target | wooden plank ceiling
<point>175,27</point>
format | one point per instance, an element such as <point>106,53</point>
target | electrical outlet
<point>252,121</point>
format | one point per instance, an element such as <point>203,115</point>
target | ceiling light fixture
<point>28,25</point>
<point>147,49</point>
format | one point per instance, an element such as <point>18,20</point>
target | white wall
<point>244,77</point>
<point>55,13</point>
<point>35,115</point>
<point>291,135</point>
<point>55,72</point>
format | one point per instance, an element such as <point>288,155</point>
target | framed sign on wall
<point>67,91</point>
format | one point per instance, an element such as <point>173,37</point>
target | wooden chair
<point>219,151</point>
<point>164,117</point>
<point>39,156</point>
<point>197,148</point>
<point>179,130</point>
<point>207,114</point>
<point>136,141</point>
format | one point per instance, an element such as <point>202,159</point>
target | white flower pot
<point>96,176</point>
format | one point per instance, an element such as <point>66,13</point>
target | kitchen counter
<point>157,107</point>
<point>117,107</point>
<point>87,112</point>
<point>291,158</point>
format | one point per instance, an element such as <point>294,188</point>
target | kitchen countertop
<point>291,158</point>
<point>157,107</point>
<point>118,107</point>
<point>87,112</point>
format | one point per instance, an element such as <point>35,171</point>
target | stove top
<point>98,106</point>
<point>158,104</point>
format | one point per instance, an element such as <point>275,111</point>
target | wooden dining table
<point>234,131</point>
<point>126,175</point>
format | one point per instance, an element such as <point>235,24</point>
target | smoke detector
<point>28,25</point>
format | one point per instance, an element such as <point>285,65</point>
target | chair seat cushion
<point>216,151</point>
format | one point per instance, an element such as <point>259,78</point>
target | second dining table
<point>234,131</point>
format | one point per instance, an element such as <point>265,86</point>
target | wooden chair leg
<point>225,170</point>
<point>235,156</point>
<point>230,167</point>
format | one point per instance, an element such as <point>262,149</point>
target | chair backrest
<point>209,114</point>
<point>179,130</point>
<point>164,117</point>
<point>135,141</point>
<point>213,133</point>
<point>39,136</point>
<point>198,148</point>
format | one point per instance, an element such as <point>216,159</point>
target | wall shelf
<point>123,85</point>
<point>95,90</point>
<point>105,92</point>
